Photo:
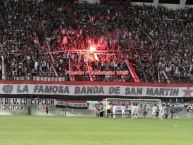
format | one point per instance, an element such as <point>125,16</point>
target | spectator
<point>54,38</point>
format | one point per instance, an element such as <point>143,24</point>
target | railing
<point>2,68</point>
<point>109,78</point>
<point>52,58</point>
<point>132,72</point>
<point>78,76</point>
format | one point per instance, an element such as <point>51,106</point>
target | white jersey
<point>129,107</point>
<point>118,108</point>
<point>154,110</point>
<point>123,108</point>
<point>114,109</point>
<point>162,111</point>
<point>134,110</point>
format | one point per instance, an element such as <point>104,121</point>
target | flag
<point>64,40</point>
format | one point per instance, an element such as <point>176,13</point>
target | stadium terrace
<point>95,42</point>
<point>113,58</point>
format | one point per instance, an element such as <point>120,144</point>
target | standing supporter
<point>58,41</point>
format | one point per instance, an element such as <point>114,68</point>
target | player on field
<point>134,110</point>
<point>172,110</point>
<point>47,109</point>
<point>101,110</point>
<point>166,111</point>
<point>114,111</point>
<point>162,111</point>
<point>155,111</point>
<point>123,110</point>
<point>144,110</point>
<point>109,109</point>
<point>129,109</point>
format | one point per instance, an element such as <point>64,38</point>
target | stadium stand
<point>77,42</point>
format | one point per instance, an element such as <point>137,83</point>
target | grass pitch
<point>34,130</point>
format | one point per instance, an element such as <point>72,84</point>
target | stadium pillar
<point>2,68</point>
<point>183,3</point>
<point>156,2</point>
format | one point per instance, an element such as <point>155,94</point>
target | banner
<point>73,104</point>
<point>20,104</point>
<point>94,106</point>
<point>96,89</point>
<point>26,101</point>
<point>98,72</point>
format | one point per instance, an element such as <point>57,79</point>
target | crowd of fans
<point>61,38</point>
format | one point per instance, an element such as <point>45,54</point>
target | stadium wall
<point>84,89</point>
<point>156,3</point>
<point>26,106</point>
<point>32,97</point>
<point>89,1</point>
<point>37,106</point>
